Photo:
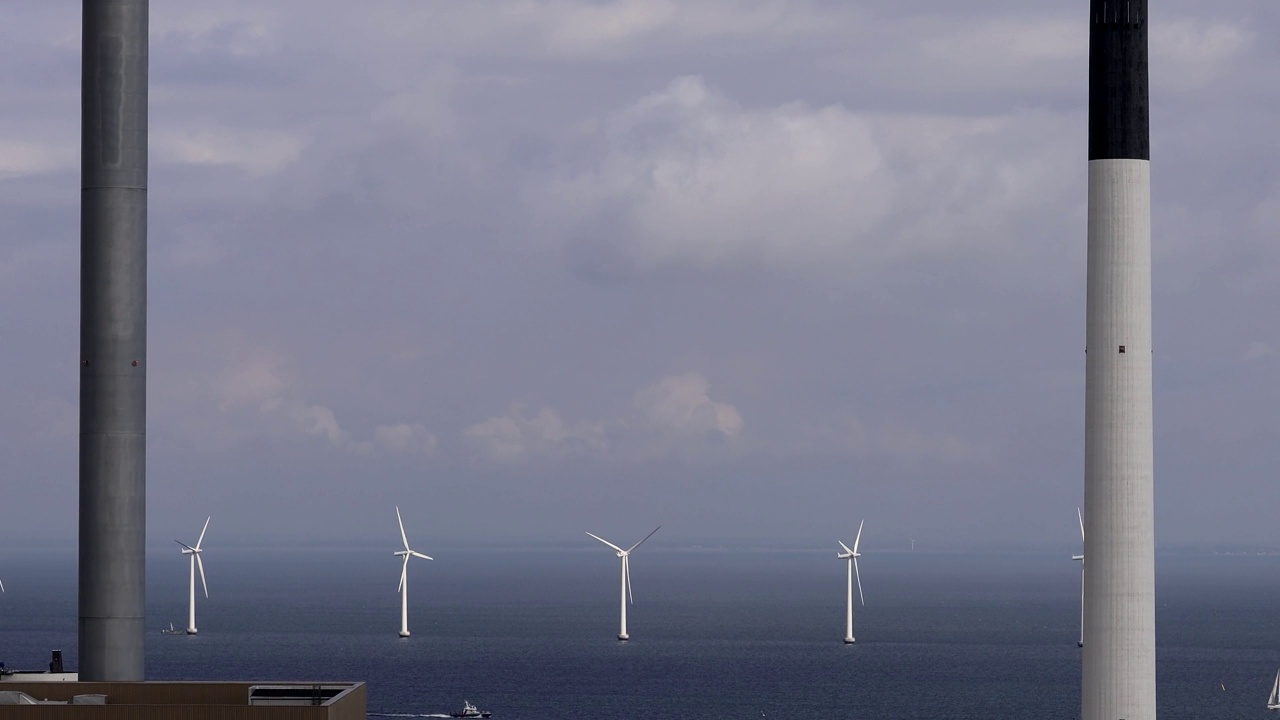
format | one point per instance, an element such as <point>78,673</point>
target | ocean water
<point>529,635</point>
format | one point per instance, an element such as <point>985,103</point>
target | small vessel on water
<point>171,631</point>
<point>1273,702</point>
<point>469,711</point>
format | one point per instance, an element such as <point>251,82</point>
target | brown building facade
<point>187,701</point>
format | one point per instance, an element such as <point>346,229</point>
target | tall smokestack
<point>1119,666</point>
<point>113,338</point>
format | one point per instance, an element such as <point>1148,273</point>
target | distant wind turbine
<point>194,552</point>
<point>1080,557</point>
<point>852,557</point>
<point>626,576</point>
<point>404,576</point>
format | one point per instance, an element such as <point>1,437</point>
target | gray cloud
<point>736,265</point>
<point>687,176</point>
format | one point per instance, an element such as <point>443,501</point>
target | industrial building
<point>186,700</point>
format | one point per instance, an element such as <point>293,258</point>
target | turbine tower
<point>1118,665</point>
<point>113,340</point>
<point>404,577</point>
<point>194,552</point>
<point>626,577</point>
<point>852,557</point>
<point>1080,557</point>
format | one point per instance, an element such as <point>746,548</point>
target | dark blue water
<point>530,635</point>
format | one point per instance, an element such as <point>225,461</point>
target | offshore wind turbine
<point>852,557</point>
<point>407,552</point>
<point>626,577</point>
<point>1080,557</point>
<point>194,552</point>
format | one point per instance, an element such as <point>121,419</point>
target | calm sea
<point>530,634</point>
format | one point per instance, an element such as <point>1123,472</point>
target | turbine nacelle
<point>413,553</point>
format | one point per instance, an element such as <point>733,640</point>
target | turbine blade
<point>404,573</point>
<point>202,531</point>
<point>646,537</point>
<point>859,577</point>
<point>606,542</point>
<point>1,586</point>
<point>626,569</point>
<point>858,539</point>
<point>200,564</point>
<point>418,554</point>
<point>1081,518</point>
<point>846,547</point>
<point>403,537</point>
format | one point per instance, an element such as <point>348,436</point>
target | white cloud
<point>682,404</point>
<point>319,420</point>
<point>674,414</point>
<point>687,176</point>
<point>404,437</point>
<point>258,381</point>
<point>19,158</point>
<point>517,436</point>
<point>257,152</point>
<point>261,389</point>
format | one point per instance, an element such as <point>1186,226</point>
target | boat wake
<point>408,715</point>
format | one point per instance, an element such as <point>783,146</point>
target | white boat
<point>1273,702</point>
<point>469,711</point>
<point>171,631</point>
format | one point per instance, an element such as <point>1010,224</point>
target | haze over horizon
<point>742,268</point>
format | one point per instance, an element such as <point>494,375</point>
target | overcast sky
<point>749,269</point>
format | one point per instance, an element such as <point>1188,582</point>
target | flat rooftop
<point>187,700</point>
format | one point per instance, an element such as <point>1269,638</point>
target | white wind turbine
<point>1080,557</point>
<point>626,576</point>
<point>194,552</point>
<point>852,557</point>
<point>407,552</point>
